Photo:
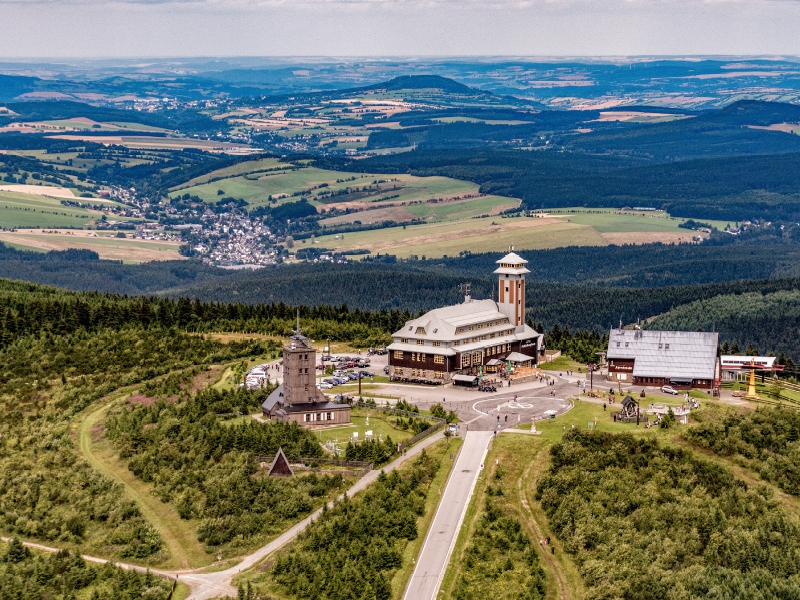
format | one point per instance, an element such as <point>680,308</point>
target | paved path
<point>435,554</point>
<point>210,585</point>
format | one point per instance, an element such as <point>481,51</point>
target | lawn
<point>378,424</point>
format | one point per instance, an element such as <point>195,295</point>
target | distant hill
<point>420,82</point>
<point>12,86</point>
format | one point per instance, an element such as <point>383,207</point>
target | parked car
<point>340,380</point>
<point>365,373</point>
<point>452,428</point>
<point>329,381</point>
<point>324,386</point>
<point>320,367</point>
<point>386,369</point>
<point>354,376</point>
<point>668,389</point>
<point>339,373</point>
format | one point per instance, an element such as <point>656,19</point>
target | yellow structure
<point>751,387</point>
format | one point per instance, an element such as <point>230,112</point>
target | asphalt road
<point>441,538</point>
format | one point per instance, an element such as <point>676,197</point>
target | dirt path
<point>185,551</point>
<point>563,586</point>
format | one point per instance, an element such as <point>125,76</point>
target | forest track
<point>564,588</point>
<point>185,551</point>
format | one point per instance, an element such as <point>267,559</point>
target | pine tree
<point>16,552</point>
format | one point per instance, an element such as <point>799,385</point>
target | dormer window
<point>420,331</point>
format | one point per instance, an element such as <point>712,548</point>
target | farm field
<point>30,210</point>
<point>127,250</point>
<point>320,183</point>
<point>554,230</point>
<point>144,141</point>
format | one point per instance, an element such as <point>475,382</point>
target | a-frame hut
<point>280,466</point>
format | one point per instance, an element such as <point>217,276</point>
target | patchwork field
<point>369,197</point>
<point>107,246</point>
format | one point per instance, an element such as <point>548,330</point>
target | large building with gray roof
<point>682,359</point>
<point>470,338</point>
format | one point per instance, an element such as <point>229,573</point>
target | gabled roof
<point>441,323</point>
<point>280,466</point>
<point>676,354</point>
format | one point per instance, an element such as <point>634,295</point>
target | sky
<point>162,28</point>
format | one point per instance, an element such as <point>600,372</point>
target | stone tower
<point>299,375</point>
<point>511,292</point>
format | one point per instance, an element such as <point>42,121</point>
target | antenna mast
<point>465,288</point>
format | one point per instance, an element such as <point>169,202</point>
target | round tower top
<point>512,264</point>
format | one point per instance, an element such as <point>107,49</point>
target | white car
<point>324,386</point>
<point>668,389</point>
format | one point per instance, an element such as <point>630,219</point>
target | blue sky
<point>147,28</point>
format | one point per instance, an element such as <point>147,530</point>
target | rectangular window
<point>476,357</point>
<point>480,325</point>
<point>457,343</point>
<point>420,342</point>
<point>403,340</point>
<point>299,371</point>
<point>471,327</point>
<point>398,354</point>
<point>437,344</point>
<point>305,418</point>
<point>438,359</point>
<point>330,416</point>
<point>465,360</point>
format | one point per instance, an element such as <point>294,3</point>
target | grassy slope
<point>179,535</point>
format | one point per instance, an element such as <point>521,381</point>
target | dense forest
<point>47,489</point>
<point>207,469</point>
<point>64,575</point>
<point>707,134</point>
<point>729,187</point>
<point>766,322</point>
<point>644,520</point>
<point>766,440</point>
<point>354,549</point>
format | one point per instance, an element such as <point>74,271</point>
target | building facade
<point>682,359</point>
<point>470,338</point>
<point>297,399</point>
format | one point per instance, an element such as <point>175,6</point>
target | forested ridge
<point>728,187</point>
<point>48,491</point>
<point>643,520</point>
<point>768,322</point>
<point>766,441</point>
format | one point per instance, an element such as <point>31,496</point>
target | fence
<point>360,467</point>
<point>437,423</point>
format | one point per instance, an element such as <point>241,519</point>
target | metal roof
<point>518,357</point>
<point>735,362</point>
<point>676,354</point>
<point>441,323</point>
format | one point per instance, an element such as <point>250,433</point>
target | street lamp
<point>591,367</point>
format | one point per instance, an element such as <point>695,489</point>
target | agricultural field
<point>33,210</point>
<point>370,197</point>
<point>107,246</point>
<point>552,230</point>
<point>165,143</point>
